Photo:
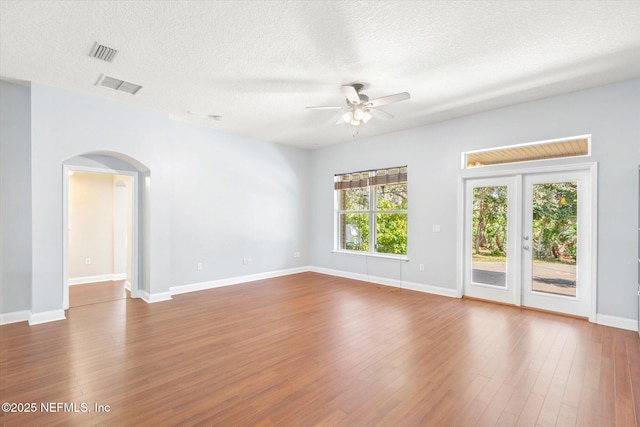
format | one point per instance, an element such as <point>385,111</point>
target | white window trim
<point>403,258</point>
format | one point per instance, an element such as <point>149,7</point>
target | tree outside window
<point>372,211</point>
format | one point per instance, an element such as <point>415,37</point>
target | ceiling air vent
<point>102,52</point>
<point>117,84</point>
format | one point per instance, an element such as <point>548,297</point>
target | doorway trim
<point>490,172</point>
<point>135,250</point>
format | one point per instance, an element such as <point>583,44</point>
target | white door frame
<point>135,261</point>
<point>488,172</point>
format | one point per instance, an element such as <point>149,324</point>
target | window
<point>545,150</point>
<point>371,211</point>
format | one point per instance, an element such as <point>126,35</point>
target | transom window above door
<point>578,146</point>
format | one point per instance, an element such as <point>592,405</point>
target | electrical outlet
<point>436,228</point>
<point>87,261</point>
<point>246,261</point>
<point>421,267</point>
<point>199,266</point>
<point>296,254</point>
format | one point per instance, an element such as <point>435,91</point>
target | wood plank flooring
<point>310,349</point>
<point>94,293</point>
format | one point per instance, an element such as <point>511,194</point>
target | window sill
<point>403,258</point>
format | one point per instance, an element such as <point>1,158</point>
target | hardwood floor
<point>94,293</point>
<point>310,349</point>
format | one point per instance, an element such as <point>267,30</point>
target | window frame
<point>372,212</point>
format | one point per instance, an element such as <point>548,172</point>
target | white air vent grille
<point>102,52</point>
<point>117,84</point>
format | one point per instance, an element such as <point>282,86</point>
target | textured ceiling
<point>260,63</point>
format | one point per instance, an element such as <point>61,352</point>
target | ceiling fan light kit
<point>360,109</point>
<point>356,116</point>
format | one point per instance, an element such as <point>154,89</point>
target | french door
<point>556,246</point>
<point>491,230</point>
<point>528,240</point>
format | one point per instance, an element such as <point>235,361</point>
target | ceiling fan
<point>360,108</point>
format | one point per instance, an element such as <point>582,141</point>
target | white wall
<point>610,113</point>
<point>15,203</point>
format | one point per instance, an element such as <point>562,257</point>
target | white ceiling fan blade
<point>325,107</point>
<point>340,121</point>
<point>383,100</point>
<point>380,114</point>
<point>351,93</point>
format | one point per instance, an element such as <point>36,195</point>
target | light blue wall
<point>610,113</point>
<point>15,201</point>
<point>235,198</point>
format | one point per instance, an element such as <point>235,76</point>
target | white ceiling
<point>260,63</point>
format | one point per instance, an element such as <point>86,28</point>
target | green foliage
<point>360,226</point>
<point>391,197</point>
<point>490,220</point>
<point>391,228</point>
<point>555,208</point>
<point>391,233</point>
<point>555,228</point>
<point>355,199</point>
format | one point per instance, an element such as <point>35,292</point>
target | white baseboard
<point>617,322</point>
<point>95,279</point>
<point>437,290</point>
<point>430,289</point>
<point>157,297</point>
<point>46,316</point>
<point>54,315</point>
<point>15,317</point>
<point>182,289</point>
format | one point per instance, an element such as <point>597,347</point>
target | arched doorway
<point>119,168</point>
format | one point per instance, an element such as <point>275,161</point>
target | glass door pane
<point>490,230</point>
<point>489,236</point>
<point>554,237</point>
